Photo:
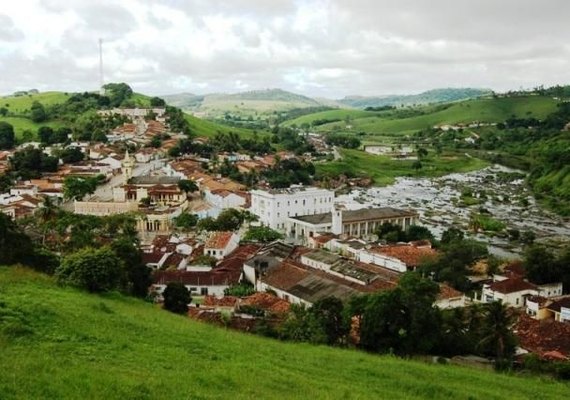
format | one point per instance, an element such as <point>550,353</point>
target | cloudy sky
<point>328,48</point>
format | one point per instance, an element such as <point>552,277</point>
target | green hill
<point>431,96</point>
<point>21,104</point>
<point>64,344</point>
<point>410,120</point>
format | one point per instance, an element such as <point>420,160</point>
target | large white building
<point>273,207</point>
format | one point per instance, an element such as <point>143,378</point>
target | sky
<point>320,48</point>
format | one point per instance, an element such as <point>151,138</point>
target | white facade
<point>370,257</point>
<point>273,207</point>
<point>224,200</point>
<point>222,251</point>
<point>197,290</point>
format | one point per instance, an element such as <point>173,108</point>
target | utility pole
<point>101,81</point>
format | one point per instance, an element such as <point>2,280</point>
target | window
<point>204,291</point>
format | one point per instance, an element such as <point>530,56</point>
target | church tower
<point>337,219</point>
<point>127,167</point>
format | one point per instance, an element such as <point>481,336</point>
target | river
<point>438,201</point>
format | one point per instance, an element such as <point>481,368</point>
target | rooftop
<point>154,180</point>
<point>351,216</point>
<point>218,240</point>
<point>557,305</point>
<point>412,256</point>
<point>322,256</point>
<point>511,285</point>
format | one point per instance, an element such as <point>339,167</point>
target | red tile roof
<point>218,240</point>
<point>447,292</point>
<point>410,255</point>
<point>267,302</point>
<point>543,337</point>
<point>558,304</point>
<point>511,285</point>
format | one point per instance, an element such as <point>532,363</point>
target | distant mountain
<point>245,103</point>
<point>274,95</point>
<point>183,100</point>
<point>431,96</point>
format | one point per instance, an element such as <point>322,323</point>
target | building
<point>513,292</point>
<point>398,257</point>
<point>220,244</point>
<point>275,206</point>
<point>355,223</point>
<point>222,199</point>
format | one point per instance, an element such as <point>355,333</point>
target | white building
<point>223,199</point>
<point>220,244</point>
<point>273,207</point>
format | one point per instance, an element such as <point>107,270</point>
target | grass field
<point>484,110</point>
<point>19,104</point>
<point>384,170</point>
<point>22,124</point>
<point>203,127</point>
<point>59,343</point>
<point>339,114</point>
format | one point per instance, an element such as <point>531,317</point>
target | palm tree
<point>497,333</point>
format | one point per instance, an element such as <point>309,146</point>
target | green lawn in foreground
<point>59,343</point>
<point>384,170</point>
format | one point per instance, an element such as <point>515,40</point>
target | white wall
<point>274,208</point>
<point>382,260</point>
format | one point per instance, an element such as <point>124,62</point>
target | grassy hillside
<point>22,124</point>
<point>19,104</point>
<point>203,127</point>
<point>331,115</point>
<point>484,110</point>
<point>61,343</point>
<point>431,96</point>
<point>384,170</point>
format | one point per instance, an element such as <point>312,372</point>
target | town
<point>239,235</point>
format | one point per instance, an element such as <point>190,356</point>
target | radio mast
<point>101,81</point>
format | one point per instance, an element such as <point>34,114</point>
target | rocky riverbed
<point>451,200</point>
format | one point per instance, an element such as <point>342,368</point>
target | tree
<point>176,298</point>
<point>541,265</point>
<point>136,277</point>
<point>3,111</point>
<point>96,270</point>
<point>118,93</point>
<point>186,221</point>
<point>157,102</point>
<point>15,245</point>
<point>71,155</point>
<point>30,163</point>
<point>262,234</point>
<point>402,320</point>
<point>417,165</point>
<point>451,235</point>
<point>498,337</point>
<point>38,112</point>
<point>418,232</point>
<point>422,152</point>
<point>329,313</point>
<point>7,137</point>
<point>187,186</point>
<point>45,134</point>
<point>75,188</point>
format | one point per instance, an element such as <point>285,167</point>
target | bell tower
<point>337,219</point>
<point>127,167</point>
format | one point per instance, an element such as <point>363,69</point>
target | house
<point>220,244</point>
<point>548,339</point>
<point>448,298</point>
<point>561,309</point>
<point>398,257</point>
<point>355,223</point>
<point>511,291</point>
<point>223,199</point>
<point>274,206</point>
<point>212,282</point>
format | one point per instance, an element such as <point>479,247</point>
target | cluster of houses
<point>327,249</point>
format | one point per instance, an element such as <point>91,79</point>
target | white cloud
<point>318,47</point>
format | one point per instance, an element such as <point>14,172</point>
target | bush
<point>176,298</point>
<point>96,270</point>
